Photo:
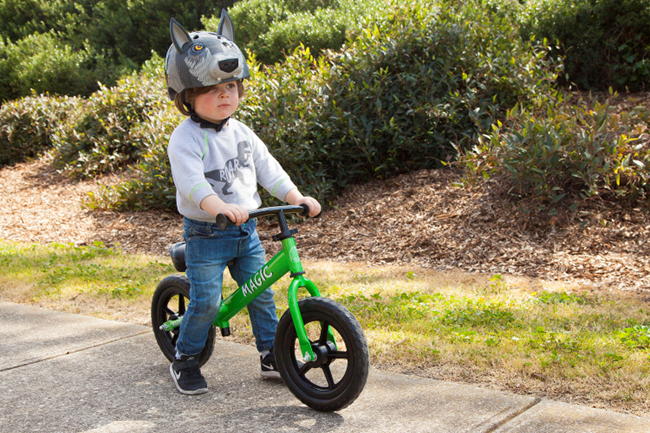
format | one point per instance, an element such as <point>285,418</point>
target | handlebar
<point>303,210</point>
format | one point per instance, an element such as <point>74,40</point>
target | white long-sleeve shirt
<point>229,163</point>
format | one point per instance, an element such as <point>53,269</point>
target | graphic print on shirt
<point>233,169</point>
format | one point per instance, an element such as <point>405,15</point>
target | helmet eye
<point>198,47</point>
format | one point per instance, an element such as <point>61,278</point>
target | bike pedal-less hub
<point>321,353</point>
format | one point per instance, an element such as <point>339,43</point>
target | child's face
<point>218,103</point>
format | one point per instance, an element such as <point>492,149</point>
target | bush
<point>131,30</point>
<point>27,125</point>
<point>565,155</point>
<point>319,30</point>
<point>110,134</point>
<point>22,18</point>
<point>66,47</point>
<point>150,185</point>
<point>394,100</point>
<point>41,63</point>
<point>604,43</point>
<point>273,29</point>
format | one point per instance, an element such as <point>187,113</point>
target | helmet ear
<point>179,35</point>
<point>226,27</point>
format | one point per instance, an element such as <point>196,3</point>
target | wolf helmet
<point>201,59</point>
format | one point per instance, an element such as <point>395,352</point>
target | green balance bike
<point>320,349</point>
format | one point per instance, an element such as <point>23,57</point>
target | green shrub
<point>21,18</point>
<point>66,47</point>
<point>131,30</point>
<point>27,125</point>
<point>150,185</point>
<point>320,29</point>
<point>252,19</point>
<point>566,154</point>
<point>605,43</point>
<point>273,29</point>
<point>395,99</point>
<point>42,63</point>
<point>110,134</point>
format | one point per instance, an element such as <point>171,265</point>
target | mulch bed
<point>419,219</point>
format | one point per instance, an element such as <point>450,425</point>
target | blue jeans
<point>207,253</point>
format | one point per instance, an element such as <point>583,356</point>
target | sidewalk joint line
<point>514,415</point>
<point>73,351</point>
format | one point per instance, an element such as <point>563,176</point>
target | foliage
<point>150,184</point>
<point>40,63</point>
<point>394,99</point>
<point>27,125</point>
<point>636,337</point>
<point>272,29</point>
<point>567,154</point>
<point>605,43</point>
<point>558,298</point>
<point>67,47</point>
<point>115,125</point>
<point>133,29</point>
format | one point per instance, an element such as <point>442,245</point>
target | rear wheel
<point>338,374</point>
<point>169,303</point>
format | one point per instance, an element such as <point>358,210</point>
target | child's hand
<point>314,206</point>
<point>295,198</point>
<point>234,213</point>
<point>214,206</point>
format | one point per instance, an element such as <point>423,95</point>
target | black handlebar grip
<point>223,222</point>
<point>306,211</point>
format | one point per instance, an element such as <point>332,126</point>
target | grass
<point>93,280</point>
<point>530,337</point>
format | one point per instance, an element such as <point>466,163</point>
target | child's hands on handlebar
<point>238,215</point>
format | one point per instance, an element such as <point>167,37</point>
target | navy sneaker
<point>269,369</point>
<point>187,376</point>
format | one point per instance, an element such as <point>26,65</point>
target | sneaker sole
<point>271,374</point>
<point>181,390</point>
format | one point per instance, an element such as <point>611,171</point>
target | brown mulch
<point>419,219</point>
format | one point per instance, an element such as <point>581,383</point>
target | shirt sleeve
<point>186,160</point>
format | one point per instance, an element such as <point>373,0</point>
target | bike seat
<point>177,252</point>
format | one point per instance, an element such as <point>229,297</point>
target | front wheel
<point>337,376</point>
<point>169,302</point>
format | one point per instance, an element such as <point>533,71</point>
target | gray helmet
<point>200,59</point>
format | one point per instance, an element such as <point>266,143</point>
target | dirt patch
<point>419,219</point>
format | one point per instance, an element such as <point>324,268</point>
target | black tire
<point>337,377</point>
<point>169,302</point>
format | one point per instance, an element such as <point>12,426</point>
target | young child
<point>216,165</point>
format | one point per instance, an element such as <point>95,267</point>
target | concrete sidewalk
<point>69,373</point>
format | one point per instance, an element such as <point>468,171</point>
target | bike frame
<point>287,260</point>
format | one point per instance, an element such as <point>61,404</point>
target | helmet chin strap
<point>187,105</point>
<point>207,124</point>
